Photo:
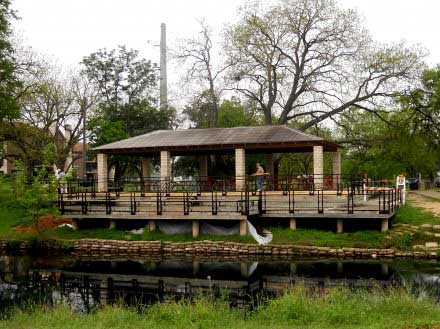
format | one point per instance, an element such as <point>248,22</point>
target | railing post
<point>291,202</point>
<point>320,201</point>
<point>350,200</point>
<point>159,209</point>
<point>133,203</point>
<point>185,203</point>
<point>84,206</point>
<point>214,205</point>
<point>61,202</point>
<point>108,205</point>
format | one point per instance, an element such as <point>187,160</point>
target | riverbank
<point>298,308</point>
<point>116,248</point>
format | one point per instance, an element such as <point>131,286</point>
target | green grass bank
<point>299,308</point>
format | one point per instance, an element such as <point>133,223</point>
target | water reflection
<point>85,283</point>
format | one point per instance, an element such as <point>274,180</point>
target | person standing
<point>259,173</point>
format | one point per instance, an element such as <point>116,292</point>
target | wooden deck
<point>231,206</point>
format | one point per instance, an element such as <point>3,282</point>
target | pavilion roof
<point>277,138</point>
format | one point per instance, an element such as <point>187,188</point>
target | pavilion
<point>238,141</point>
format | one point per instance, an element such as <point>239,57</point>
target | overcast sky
<point>71,29</point>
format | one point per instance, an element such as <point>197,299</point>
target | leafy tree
<point>37,196</point>
<point>388,145</point>
<point>127,106</point>
<point>9,82</point>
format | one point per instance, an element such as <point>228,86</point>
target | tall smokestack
<point>163,67</point>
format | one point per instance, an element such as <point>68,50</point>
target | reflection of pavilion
<point>84,283</point>
<point>210,198</point>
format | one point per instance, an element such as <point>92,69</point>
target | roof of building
<point>187,140</point>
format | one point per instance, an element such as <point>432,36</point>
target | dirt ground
<point>423,199</point>
<point>44,223</point>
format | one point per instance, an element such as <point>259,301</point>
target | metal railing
<point>186,197</point>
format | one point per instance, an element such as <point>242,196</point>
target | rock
<point>431,245</point>
<point>426,226</point>
<point>436,227</point>
<point>418,246</point>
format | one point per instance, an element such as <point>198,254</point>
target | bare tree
<point>309,60</point>
<point>202,69</point>
<point>55,104</point>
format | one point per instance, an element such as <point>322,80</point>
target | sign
<point>401,184</point>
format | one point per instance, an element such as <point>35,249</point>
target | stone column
<point>165,165</point>
<point>318,167</point>
<point>240,169</point>
<point>102,172</point>
<point>203,166</point>
<point>336,169</point>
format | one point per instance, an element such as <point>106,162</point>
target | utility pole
<point>163,67</point>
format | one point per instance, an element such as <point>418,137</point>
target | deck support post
<point>75,224</point>
<point>384,227</point>
<point>195,228</point>
<point>340,226</point>
<point>318,167</point>
<point>293,224</point>
<point>336,169</point>
<point>240,169</point>
<point>243,227</point>
<point>151,225</point>
<point>102,171</point>
<point>112,225</point>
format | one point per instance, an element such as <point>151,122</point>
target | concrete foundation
<point>293,224</point>
<point>195,228</point>
<point>340,226</point>
<point>243,227</point>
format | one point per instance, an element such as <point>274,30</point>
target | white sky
<point>71,29</point>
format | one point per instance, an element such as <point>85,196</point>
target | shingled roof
<point>186,140</point>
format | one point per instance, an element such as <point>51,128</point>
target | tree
<point>387,145</point>
<point>204,73</point>
<point>55,102</point>
<point>127,85</point>
<point>50,100</point>
<point>311,60</point>
<point>9,82</point>
<point>425,102</point>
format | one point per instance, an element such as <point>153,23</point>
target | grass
<point>412,215</point>
<point>360,239</point>
<point>299,308</point>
